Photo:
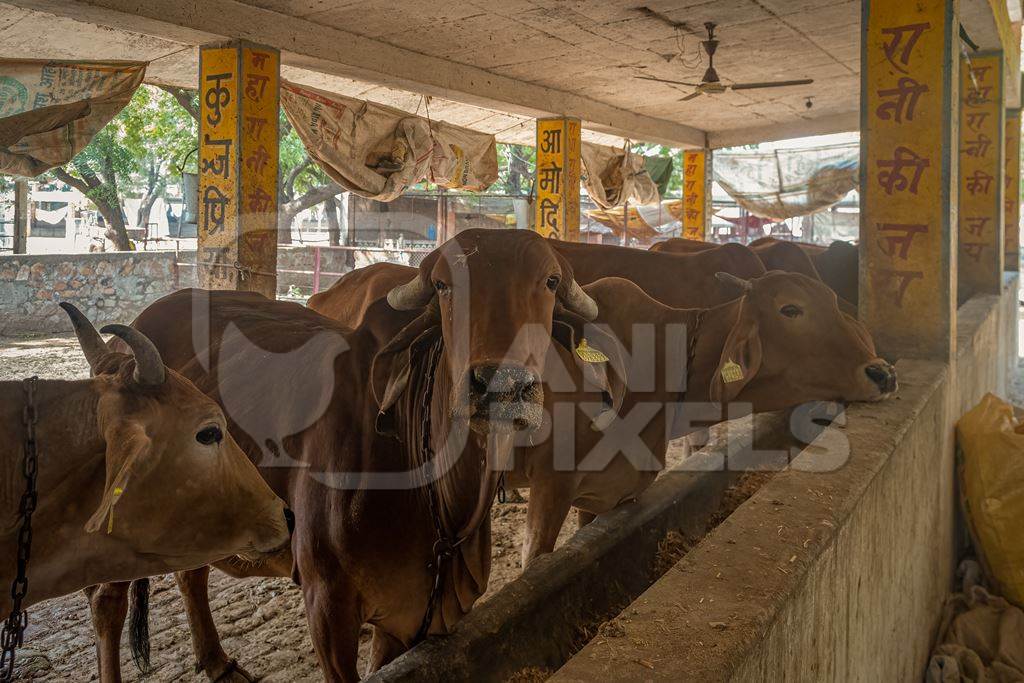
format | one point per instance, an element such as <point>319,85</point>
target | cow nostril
<point>289,519</point>
<point>879,375</point>
<point>480,379</point>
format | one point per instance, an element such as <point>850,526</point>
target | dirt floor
<point>261,621</point>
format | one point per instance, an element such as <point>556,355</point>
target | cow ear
<point>604,369</point>
<point>389,371</point>
<point>740,360</point>
<point>129,456</point>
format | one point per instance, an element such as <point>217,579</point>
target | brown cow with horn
<point>783,343</point>
<point>137,474</point>
<point>837,359</point>
<point>361,420</point>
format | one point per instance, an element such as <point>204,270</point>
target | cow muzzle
<point>504,398</point>
<point>882,377</point>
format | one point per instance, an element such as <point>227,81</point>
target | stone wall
<point>107,287</point>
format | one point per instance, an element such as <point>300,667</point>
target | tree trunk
<point>105,197</point>
<point>154,186</point>
<point>289,210</point>
<point>333,226</point>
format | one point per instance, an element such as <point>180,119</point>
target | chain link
<point>444,547</point>
<point>12,635</point>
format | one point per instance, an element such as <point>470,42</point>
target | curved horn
<point>149,366</point>
<point>730,279</point>
<point>88,338</point>
<point>415,293</point>
<point>578,301</point>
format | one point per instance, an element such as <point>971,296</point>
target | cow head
<point>493,293</point>
<point>177,485</point>
<point>791,344</point>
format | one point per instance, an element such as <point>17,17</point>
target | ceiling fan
<point>710,84</point>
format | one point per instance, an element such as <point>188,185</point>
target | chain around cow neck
<point>12,636</point>
<point>444,547</point>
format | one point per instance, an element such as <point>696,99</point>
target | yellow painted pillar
<point>696,193</point>
<point>981,175</point>
<point>557,208</point>
<point>1011,191</point>
<point>908,176</point>
<point>238,164</point>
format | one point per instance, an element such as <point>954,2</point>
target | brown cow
<point>837,336</point>
<point>349,414</point>
<point>784,343</point>
<point>137,475</point>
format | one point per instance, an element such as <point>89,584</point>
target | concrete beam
<point>306,44</point>
<point>825,125</point>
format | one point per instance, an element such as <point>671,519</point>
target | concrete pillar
<point>1011,191</point>
<point>908,177</point>
<point>238,167</point>
<point>980,258</point>
<point>696,193</point>
<point>557,209</point>
<point>21,216</point>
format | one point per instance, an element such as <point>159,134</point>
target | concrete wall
<point>827,576</point>
<point>108,287</point>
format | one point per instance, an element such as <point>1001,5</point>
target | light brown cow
<point>784,343</point>
<point>693,285</point>
<point>137,475</point>
<point>483,306</point>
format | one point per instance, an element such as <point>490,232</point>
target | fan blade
<point>771,84</point>
<point>695,93</point>
<point>665,80</point>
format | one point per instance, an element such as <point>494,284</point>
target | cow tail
<point>138,626</point>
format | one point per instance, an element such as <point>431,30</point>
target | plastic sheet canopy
<point>378,152</point>
<point>50,110</point>
<point>785,183</point>
<point>613,176</point>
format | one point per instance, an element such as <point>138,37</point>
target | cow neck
<point>715,328</point>
<point>67,433</point>
<point>72,473</point>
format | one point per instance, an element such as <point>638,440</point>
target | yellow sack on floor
<point>992,487</point>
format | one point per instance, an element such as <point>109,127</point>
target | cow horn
<point>730,279</point>
<point>88,338</point>
<point>412,295</point>
<point>578,301</point>
<point>149,366</point>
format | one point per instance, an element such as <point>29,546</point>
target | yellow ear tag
<point>117,496</point>
<point>731,372</point>
<point>589,353</point>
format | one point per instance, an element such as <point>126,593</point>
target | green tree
<point>135,151</point>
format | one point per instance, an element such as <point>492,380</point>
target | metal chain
<point>13,634</point>
<point>444,547</point>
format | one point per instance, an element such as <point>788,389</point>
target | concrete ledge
<point>825,576</point>
<point>540,618</point>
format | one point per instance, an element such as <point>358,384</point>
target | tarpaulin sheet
<point>50,110</point>
<point>785,183</point>
<point>378,152</point>
<point>612,176</point>
<point>645,222</point>
<point>992,482</point>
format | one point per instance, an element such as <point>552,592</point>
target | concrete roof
<point>494,65</point>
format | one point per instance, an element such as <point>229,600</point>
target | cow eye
<point>553,282</point>
<point>441,287</point>
<point>210,436</point>
<point>791,311</point>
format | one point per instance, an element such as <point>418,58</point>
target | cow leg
<point>584,518</point>
<point>384,648</point>
<point>108,603</point>
<point>210,656</point>
<point>550,500</point>
<point>332,611</point>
